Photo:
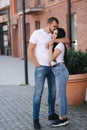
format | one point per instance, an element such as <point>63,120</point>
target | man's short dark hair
<point>51,19</point>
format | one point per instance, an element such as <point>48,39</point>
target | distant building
<point>5,46</point>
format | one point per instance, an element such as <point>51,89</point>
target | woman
<point>57,54</point>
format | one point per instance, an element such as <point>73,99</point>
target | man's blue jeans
<point>41,73</point>
<point>61,76</point>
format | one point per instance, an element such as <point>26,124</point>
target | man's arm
<point>31,56</point>
<point>63,40</point>
<point>52,41</point>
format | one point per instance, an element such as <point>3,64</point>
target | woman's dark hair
<point>61,34</point>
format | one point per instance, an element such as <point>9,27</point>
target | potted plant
<point>77,81</point>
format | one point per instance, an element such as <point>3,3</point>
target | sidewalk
<point>12,71</point>
<point>16,100</point>
<point>16,110</point>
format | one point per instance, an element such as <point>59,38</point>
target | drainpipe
<point>24,44</point>
<point>69,22</point>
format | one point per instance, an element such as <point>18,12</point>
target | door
<point>1,40</point>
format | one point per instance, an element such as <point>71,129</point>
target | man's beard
<point>50,30</point>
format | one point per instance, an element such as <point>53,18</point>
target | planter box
<point>76,89</point>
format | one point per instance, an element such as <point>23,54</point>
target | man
<point>39,55</point>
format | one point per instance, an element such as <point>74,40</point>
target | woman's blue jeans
<point>41,73</point>
<point>61,76</point>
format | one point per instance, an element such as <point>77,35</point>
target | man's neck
<point>46,29</point>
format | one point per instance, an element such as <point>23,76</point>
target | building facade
<point>38,11</point>
<point>5,45</point>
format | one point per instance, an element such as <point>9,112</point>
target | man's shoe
<point>53,117</point>
<point>36,124</point>
<point>60,122</point>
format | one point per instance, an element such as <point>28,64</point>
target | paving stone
<point>16,110</point>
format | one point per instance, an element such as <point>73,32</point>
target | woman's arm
<point>51,42</point>
<point>54,54</point>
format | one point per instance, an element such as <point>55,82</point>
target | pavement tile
<point>16,110</point>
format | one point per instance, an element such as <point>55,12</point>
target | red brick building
<point>37,13</point>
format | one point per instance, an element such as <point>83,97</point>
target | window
<point>74,31</point>
<point>51,0</point>
<point>37,24</point>
<point>19,4</point>
<point>38,2</point>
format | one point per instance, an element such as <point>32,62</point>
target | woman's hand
<point>47,45</point>
<point>54,36</point>
<point>50,43</point>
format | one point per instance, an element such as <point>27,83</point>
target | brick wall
<point>59,10</point>
<point>81,8</point>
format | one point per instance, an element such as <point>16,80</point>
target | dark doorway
<point>4,41</point>
<point>1,40</point>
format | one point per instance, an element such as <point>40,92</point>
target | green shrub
<point>76,62</point>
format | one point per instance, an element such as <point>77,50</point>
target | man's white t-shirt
<point>40,38</point>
